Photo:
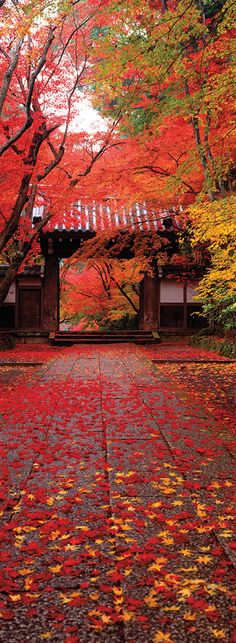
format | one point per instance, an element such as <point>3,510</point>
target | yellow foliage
<point>214,226</point>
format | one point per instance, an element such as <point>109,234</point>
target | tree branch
<point>124,293</point>
<point>29,118</point>
<point>13,60</point>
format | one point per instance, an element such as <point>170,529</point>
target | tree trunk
<point>13,222</point>
<point>124,293</point>
<point>39,136</point>
<point>148,316</point>
<point>202,156</point>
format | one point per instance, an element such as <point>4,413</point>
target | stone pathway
<point>117,506</point>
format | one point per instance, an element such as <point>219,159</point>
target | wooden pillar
<point>51,291</point>
<point>148,307</point>
<point>185,315</point>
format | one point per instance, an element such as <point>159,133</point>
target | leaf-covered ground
<point>117,496</point>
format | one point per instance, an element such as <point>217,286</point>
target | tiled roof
<point>111,215</point>
<point>28,270</point>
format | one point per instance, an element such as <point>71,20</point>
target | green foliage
<point>225,347</point>
<point>211,7</point>
<point>222,313</point>
<point>99,32</point>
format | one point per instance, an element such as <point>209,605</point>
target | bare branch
<point>106,146</point>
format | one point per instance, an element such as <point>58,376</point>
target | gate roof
<point>111,215</point>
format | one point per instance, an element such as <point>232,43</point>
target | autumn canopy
<point>160,75</point>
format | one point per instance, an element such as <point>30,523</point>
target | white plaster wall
<point>11,296</point>
<point>171,292</point>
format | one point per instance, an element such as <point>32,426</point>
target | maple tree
<point>169,66</point>
<point>44,57</point>
<point>103,294</point>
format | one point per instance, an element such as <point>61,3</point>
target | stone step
<point>67,338</point>
<point>105,334</point>
<point>70,342</point>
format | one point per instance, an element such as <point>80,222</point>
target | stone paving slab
<point>118,507</point>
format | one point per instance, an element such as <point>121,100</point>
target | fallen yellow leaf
<point>185,551</point>
<point>15,597</point>
<point>151,601</point>
<point>106,619</point>
<point>55,568</point>
<point>50,501</point>
<point>117,591</point>
<point>28,582</point>
<point>94,596</point>
<point>189,616</point>
<point>82,527</point>
<point>25,571</point>
<point>219,634</point>
<point>204,559</point>
<point>55,534</point>
<point>127,616</point>
<point>66,598</point>
<point>162,637</point>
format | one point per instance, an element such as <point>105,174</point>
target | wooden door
<point>29,306</point>
<point>172,316</point>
